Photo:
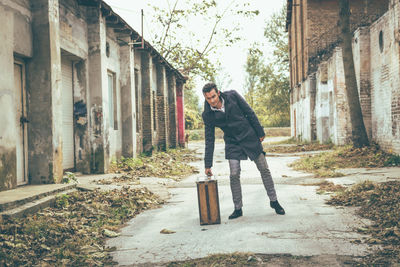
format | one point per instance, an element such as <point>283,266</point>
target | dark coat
<point>242,130</point>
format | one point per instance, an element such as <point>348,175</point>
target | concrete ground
<point>310,227</point>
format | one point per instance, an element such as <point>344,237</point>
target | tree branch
<point>164,37</point>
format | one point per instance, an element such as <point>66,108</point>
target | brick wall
<point>161,108</point>
<point>314,32</point>
<point>147,102</point>
<point>385,95</point>
<point>361,55</point>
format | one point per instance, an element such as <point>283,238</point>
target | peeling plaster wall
<point>332,112</point>
<point>74,45</point>
<point>8,134</point>
<point>301,111</point>
<point>323,104</point>
<point>73,28</point>
<point>385,84</point>
<point>138,102</point>
<point>114,138</point>
<point>97,82</point>
<point>44,95</point>
<point>128,99</point>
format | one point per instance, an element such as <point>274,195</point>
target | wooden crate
<point>207,193</point>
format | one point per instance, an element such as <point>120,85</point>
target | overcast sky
<point>232,58</point>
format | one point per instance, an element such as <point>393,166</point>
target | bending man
<point>243,135</point>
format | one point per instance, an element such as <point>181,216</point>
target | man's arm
<point>209,135</point>
<point>250,115</point>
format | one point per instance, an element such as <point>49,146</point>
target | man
<point>243,135</point>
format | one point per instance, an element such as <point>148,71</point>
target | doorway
<point>21,122</point>
<point>68,115</point>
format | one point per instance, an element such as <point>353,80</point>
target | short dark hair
<point>209,86</point>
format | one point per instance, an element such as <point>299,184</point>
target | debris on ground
<point>289,146</point>
<point>326,163</point>
<point>379,202</point>
<point>171,164</point>
<point>123,179</point>
<point>73,231</point>
<point>257,259</point>
<point>326,187</point>
<point>166,231</point>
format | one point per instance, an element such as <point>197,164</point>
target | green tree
<point>267,84</point>
<point>191,49</point>
<point>193,118</point>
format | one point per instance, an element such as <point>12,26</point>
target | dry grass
<point>325,164</point>
<point>171,164</point>
<point>381,204</point>
<point>292,146</point>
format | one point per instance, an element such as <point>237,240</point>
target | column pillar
<point>44,91</point>
<point>161,108</point>
<point>173,118</point>
<point>128,101</point>
<point>181,113</point>
<point>8,118</point>
<point>97,81</point>
<point>147,102</point>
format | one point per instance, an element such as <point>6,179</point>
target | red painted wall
<point>181,115</point>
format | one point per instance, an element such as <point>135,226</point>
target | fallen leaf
<point>166,231</point>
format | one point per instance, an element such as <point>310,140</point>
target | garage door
<point>68,114</point>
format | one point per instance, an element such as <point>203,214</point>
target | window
<point>381,41</point>
<point>112,101</point>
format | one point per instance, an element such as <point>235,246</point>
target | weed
<point>69,177</point>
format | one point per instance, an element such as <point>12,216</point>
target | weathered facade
<point>319,107</point>
<point>78,89</point>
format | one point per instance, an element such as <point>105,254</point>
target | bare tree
<point>359,135</point>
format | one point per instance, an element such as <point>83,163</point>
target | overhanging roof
<point>121,26</point>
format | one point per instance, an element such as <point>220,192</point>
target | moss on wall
<point>97,160</point>
<point>8,169</point>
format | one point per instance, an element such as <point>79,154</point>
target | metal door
<point>21,122</point>
<point>68,114</point>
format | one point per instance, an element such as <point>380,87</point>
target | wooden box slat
<point>207,193</point>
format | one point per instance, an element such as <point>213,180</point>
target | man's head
<point>211,94</point>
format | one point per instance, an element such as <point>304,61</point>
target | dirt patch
<point>379,202</point>
<point>326,164</point>
<point>73,232</point>
<point>250,259</point>
<point>291,146</point>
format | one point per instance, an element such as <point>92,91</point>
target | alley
<point>310,227</point>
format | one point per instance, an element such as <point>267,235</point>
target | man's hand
<point>262,138</point>
<point>208,172</point>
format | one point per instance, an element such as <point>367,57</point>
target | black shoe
<point>278,209</point>
<point>236,214</point>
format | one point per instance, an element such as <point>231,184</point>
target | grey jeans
<point>266,177</point>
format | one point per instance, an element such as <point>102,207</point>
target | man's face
<point>212,98</point>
